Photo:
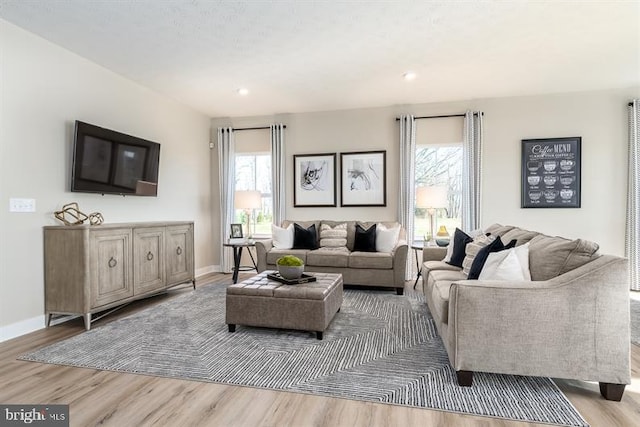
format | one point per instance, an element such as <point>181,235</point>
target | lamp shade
<point>247,199</point>
<point>431,197</point>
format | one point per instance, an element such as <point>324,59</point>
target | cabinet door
<point>179,253</point>
<point>148,259</point>
<point>111,269</point>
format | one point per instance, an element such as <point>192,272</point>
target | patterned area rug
<point>380,347</point>
<point>635,321</point>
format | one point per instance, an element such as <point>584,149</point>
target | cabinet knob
<point>179,250</point>
<point>149,256</point>
<point>112,262</point>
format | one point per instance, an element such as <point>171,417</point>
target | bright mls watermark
<point>34,415</point>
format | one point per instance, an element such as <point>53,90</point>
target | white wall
<point>44,90</point>
<point>599,117</point>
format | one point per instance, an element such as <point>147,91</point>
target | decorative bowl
<point>291,271</point>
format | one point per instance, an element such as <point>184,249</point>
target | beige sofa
<point>381,269</point>
<point>570,321</point>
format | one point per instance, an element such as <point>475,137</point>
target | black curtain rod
<point>256,128</point>
<point>440,117</point>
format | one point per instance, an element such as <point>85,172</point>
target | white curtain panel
<point>472,170</point>
<point>277,173</point>
<point>406,199</point>
<point>226,170</point>
<point>632,243</point>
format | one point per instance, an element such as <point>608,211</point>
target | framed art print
<point>363,178</point>
<point>551,172</point>
<point>314,180</point>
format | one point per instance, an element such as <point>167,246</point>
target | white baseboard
<point>26,326</point>
<point>206,270</point>
<point>22,327</point>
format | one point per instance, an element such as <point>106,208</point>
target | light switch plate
<point>22,205</point>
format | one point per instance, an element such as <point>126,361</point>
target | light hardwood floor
<point>116,399</point>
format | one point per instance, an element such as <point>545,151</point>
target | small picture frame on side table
<point>236,231</point>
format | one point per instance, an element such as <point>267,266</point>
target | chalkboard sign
<point>551,173</point>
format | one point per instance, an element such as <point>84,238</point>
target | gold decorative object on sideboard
<point>78,217</point>
<point>96,218</point>
<point>72,210</point>
<point>93,269</point>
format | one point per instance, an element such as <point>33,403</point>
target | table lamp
<point>431,198</point>
<point>248,200</point>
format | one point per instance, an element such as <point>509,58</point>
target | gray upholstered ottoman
<point>259,301</point>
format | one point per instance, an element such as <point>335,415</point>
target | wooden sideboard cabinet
<point>94,268</point>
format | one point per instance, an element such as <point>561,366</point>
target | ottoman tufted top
<point>260,285</point>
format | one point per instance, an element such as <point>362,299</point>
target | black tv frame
<point>109,174</point>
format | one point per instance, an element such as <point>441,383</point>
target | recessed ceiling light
<point>409,75</point>
<point>243,91</point>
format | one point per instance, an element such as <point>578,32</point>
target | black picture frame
<point>363,176</point>
<point>236,231</point>
<point>551,172</point>
<point>314,180</point>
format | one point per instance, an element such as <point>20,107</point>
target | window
<point>439,165</point>
<point>253,172</point>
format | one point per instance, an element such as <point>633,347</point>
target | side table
<point>430,252</point>
<point>417,245</point>
<point>237,256</point>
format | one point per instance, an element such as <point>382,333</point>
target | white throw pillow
<point>449,254</point>
<point>522,252</point>
<point>511,264</point>
<point>386,238</point>
<point>282,237</point>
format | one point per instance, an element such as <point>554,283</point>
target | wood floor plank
<point>121,399</point>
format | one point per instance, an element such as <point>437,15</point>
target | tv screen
<point>110,162</point>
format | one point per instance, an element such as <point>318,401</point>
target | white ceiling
<point>298,56</point>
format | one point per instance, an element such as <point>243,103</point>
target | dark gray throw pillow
<point>365,240</point>
<point>305,238</point>
<point>483,254</point>
<point>460,240</point>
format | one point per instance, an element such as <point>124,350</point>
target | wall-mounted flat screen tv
<point>110,162</point>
